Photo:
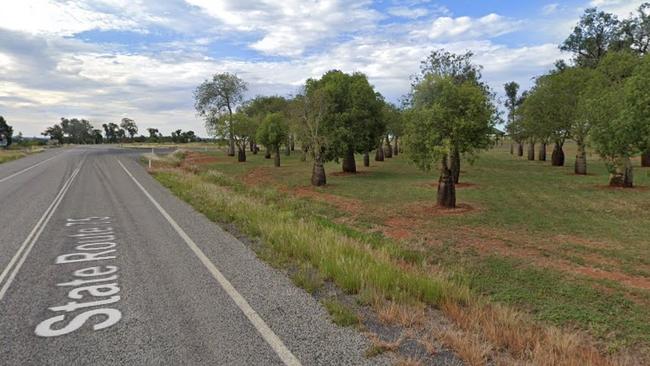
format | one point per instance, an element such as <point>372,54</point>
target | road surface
<point>101,265</point>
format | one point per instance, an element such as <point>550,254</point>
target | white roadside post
<point>150,158</point>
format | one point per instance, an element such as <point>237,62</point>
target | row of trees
<point>81,131</point>
<point>601,100</point>
<point>448,114</point>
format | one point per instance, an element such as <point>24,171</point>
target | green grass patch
<point>341,314</point>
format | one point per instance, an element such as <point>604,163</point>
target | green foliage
<point>6,132</point>
<point>129,126</point>
<point>595,33</point>
<point>352,119</point>
<point>273,131</point>
<point>341,314</point>
<point>445,114</point>
<point>550,110</point>
<point>218,97</point>
<point>243,129</point>
<point>616,103</point>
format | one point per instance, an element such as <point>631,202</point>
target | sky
<point>104,60</point>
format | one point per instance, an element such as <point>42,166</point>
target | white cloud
<point>550,8</point>
<point>622,8</point>
<point>406,12</point>
<point>491,25</point>
<point>289,27</point>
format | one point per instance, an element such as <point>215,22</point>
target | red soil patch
<point>425,210</point>
<point>631,281</point>
<point>348,205</point>
<point>257,175</point>
<point>196,158</point>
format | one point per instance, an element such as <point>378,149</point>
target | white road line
<point>265,331</point>
<point>28,168</point>
<point>33,236</point>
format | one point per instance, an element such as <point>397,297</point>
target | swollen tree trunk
<point>349,164</point>
<point>231,146</point>
<point>542,152</point>
<point>267,155</point>
<point>366,158</point>
<point>318,172</point>
<point>256,149</point>
<point>531,151</point>
<point>645,159</point>
<point>395,147</point>
<point>581,159</point>
<point>389,149</point>
<point>454,165</point>
<point>520,149</point>
<point>621,175</point>
<point>557,157</point>
<point>446,189</point>
<point>241,155</point>
<point>277,155</point>
<point>251,145</point>
<point>379,154</point>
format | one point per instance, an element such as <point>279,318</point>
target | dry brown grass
<point>407,316</point>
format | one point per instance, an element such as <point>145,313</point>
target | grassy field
<point>558,249</point>
<point>9,155</point>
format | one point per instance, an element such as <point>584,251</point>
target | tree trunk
<point>256,149</point>
<point>645,159</point>
<point>231,147</point>
<point>395,148</point>
<point>622,175</point>
<point>241,155</point>
<point>512,148</point>
<point>267,155</point>
<point>288,150</point>
<point>318,172</point>
<point>379,154</point>
<point>366,159</point>
<point>446,189</point>
<point>305,149</point>
<point>293,143</point>
<point>520,149</point>
<point>277,156</point>
<point>542,152</point>
<point>581,160</point>
<point>349,164</point>
<point>557,157</point>
<point>455,165</point>
<point>531,151</point>
<point>389,149</point>
<point>251,145</point>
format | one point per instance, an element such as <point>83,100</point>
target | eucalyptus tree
<point>447,115</point>
<point>218,98</point>
<point>595,34</point>
<point>512,102</point>
<point>6,132</point>
<point>129,126</point>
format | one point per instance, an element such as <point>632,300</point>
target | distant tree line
<point>81,131</point>
<point>601,100</point>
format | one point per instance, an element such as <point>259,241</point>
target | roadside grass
<point>341,314</point>
<point>508,300</point>
<point>10,154</point>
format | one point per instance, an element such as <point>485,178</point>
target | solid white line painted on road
<point>20,256</point>
<point>265,331</point>
<point>28,168</point>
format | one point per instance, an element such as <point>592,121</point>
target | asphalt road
<point>101,265</point>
